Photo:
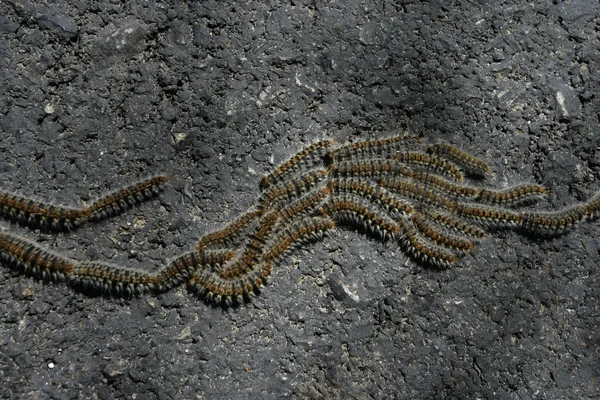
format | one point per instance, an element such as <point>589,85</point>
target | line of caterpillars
<point>396,188</point>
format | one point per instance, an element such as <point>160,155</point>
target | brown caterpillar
<point>514,196</point>
<point>301,232</point>
<point>353,209</point>
<point>470,164</point>
<point>430,163</point>
<point>277,196</point>
<point>309,158</point>
<point>441,238</point>
<point>371,192</point>
<point>31,258</point>
<point>380,148</point>
<point>232,234</point>
<point>33,213</point>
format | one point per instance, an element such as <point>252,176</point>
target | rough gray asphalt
<point>214,95</point>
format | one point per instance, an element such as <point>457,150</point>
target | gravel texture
<point>215,94</point>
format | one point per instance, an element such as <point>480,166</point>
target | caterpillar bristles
<point>112,280</point>
<point>491,216</point>
<point>452,223</point>
<point>553,223</point>
<point>182,268</point>
<point>441,185</point>
<point>253,250</point>
<point>423,250</point>
<point>592,207</point>
<point>305,205</point>
<point>439,237</point>
<point>301,233</point>
<point>370,169</point>
<point>372,193</point>
<point>419,193</point>
<point>218,291</point>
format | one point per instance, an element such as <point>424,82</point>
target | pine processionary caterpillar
<point>303,206</point>
<point>231,234</point>
<point>420,193</point>
<point>452,223</point>
<point>31,258</point>
<point>430,163</point>
<point>455,191</point>
<point>309,228</point>
<point>218,290</point>
<point>369,169</point>
<point>40,262</point>
<point>372,193</point>
<point>491,216</point>
<point>388,169</point>
<point>439,237</point>
<point>310,157</point>
<point>553,223</point>
<point>592,207</point>
<point>116,202</point>
<point>352,209</point>
<point>422,249</point>
<point>38,214</point>
<point>112,279</point>
<point>276,196</point>
<point>391,187</point>
<point>470,164</point>
<point>254,248</point>
<point>522,194</point>
<point>182,268</point>
<point>381,148</point>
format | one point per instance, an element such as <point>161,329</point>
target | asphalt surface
<point>215,95</point>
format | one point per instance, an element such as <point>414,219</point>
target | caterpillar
<point>31,258</point>
<point>230,235</point>
<point>423,250</point>
<point>511,197</point>
<point>430,163</point>
<point>292,189</point>
<point>380,148</point>
<point>34,213</point>
<point>354,210</point>
<point>373,193</point>
<point>470,164</point>
<point>310,157</point>
<point>441,238</point>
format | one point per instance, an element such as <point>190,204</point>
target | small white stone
<point>49,108</point>
<point>51,365</point>
<point>179,136</point>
